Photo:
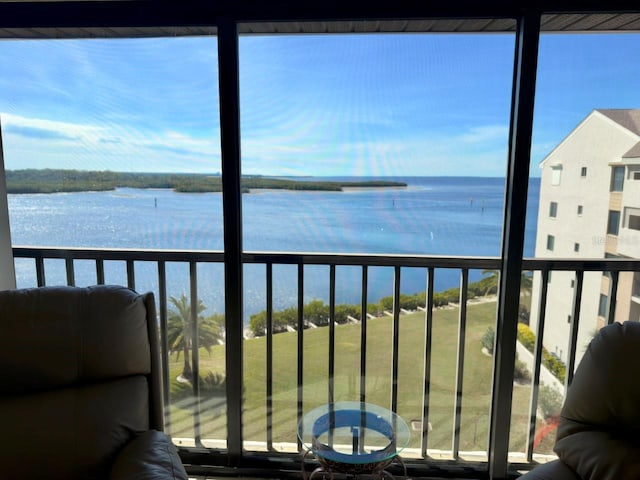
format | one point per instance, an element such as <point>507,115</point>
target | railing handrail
<point>319,258</point>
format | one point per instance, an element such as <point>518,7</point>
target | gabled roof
<point>627,118</point>
<point>634,152</point>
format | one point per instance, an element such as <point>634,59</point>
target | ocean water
<point>459,216</point>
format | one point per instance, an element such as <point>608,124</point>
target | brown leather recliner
<point>598,436</point>
<point>80,386</point>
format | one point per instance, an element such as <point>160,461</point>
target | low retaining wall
<point>546,376</point>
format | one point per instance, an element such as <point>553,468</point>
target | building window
<point>613,223</point>
<point>602,306</point>
<point>583,172</point>
<point>550,242</point>
<point>617,179</point>
<point>636,175</point>
<point>609,255</point>
<point>553,209</point>
<point>573,283</point>
<point>632,218</point>
<point>580,210</point>
<point>576,247</point>
<point>556,172</point>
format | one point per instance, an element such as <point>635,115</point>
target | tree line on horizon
<point>58,181</point>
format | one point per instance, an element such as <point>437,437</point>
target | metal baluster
<point>164,342</point>
<point>462,329</point>
<point>332,338</point>
<point>71,275</point>
<point>428,338</point>
<point>131,275</point>
<point>395,349</point>
<point>573,329</point>
<point>613,297</point>
<point>40,276</point>
<point>99,271</point>
<point>269,362</point>
<point>537,363</point>
<point>300,335</point>
<point>363,335</point>
<point>195,354</point>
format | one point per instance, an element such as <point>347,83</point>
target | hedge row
<point>317,312</point>
<point>527,338</point>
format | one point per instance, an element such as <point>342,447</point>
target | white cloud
<point>43,143</point>
<point>55,128</point>
<point>486,133</point>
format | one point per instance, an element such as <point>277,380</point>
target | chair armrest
<point>150,456</point>
<point>555,470</point>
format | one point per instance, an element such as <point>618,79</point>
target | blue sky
<point>310,105</point>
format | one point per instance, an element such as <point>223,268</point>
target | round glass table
<point>353,438</point>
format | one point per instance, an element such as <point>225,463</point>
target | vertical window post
<point>232,219</point>
<point>517,181</point>
<point>8,275</point>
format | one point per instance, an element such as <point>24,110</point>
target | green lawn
<point>476,380</point>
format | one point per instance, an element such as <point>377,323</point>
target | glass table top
<point>353,432</point>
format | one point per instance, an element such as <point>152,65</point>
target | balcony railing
<point>204,448</point>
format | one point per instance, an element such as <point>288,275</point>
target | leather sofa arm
<point>150,456</point>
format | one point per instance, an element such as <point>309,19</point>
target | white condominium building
<point>590,208</point>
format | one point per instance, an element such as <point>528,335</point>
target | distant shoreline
<point>68,181</point>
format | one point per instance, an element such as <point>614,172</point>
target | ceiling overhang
<point>151,18</point>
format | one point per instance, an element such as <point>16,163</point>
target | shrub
<point>386,303</point>
<point>258,323</point>
<point>521,372</point>
<point>554,364</point>
<point>421,300</point>
<point>523,314</point>
<point>439,300</point>
<point>526,337</point>
<point>317,312</point>
<point>452,295</point>
<point>375,309</point>
<point>213,383</point>
<point>344,311</point>
<point>488,339</point>
<point>408,302</point>
<point>549,401</point>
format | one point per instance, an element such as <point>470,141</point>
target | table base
<point>327,468</point>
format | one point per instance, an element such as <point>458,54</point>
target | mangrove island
<point>58,181</point>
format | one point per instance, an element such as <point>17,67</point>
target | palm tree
<point>180,334</point>
<point>491,281</point>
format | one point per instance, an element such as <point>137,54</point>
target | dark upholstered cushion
<point>556,470</point>
<point>599,455</point>
<point>72,433</point>
<point>599,431</point>
<point>151,456</point>
<point>57,336</point>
